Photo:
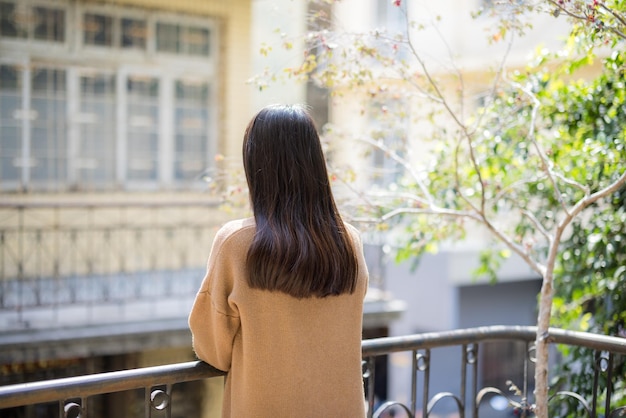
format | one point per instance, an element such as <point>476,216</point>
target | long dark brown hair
<point>301,246</point>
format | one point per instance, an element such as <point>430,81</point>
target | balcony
<point>108,277</point>
<point>73,396</point>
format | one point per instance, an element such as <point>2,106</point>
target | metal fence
<point>605,353</point>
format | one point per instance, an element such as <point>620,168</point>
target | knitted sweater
<point>285,357</point>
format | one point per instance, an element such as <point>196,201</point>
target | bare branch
<point>591,199</point>
<point>617,17</point>
<point>572,183</point>
<point>404,163</point>
<point>496,80</point>
<point>398,195</point>
<point>537,224</point>
<point>457,181</point>
<point>434,211</point>
<point>540,152</point>
<point>516,248</point>
<point>585,18</point>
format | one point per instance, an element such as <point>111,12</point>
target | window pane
<point>191,130</point>
<point>49,24</point>
<point>98,30</point>
<point>12,22</point>
<point>10,124</point>
<point>49,133</point>
<point>168,38</point>
<point>143,137</point>
<point>96,145</point>
<point>197,41</point>
<point>134,33</point>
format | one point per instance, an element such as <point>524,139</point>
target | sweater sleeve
<point>214,320</point>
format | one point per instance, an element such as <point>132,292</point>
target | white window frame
<point>123,63</point>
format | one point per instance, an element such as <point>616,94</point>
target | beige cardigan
<point>285,357</point>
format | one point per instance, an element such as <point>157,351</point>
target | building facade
<point>120,135</point>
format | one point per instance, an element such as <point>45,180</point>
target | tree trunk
<point>541,345</point>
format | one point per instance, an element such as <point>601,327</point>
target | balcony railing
<point>606,354</point>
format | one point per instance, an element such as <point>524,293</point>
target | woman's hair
<point>301,246</point>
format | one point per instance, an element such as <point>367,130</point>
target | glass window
<point>168,38</point>
<point>49,133</point>
<point>95,164</point>
<point>97,29</point>
<point>13,20</point>
<point>134,33</point>
<point>179,39</point>
<point>8,25</point>
<point>197,41</point>
<point>44,147</point>
<point>49,24</point>
<point>191,126</point>
<point>10,123</point>
<point>143,134</point>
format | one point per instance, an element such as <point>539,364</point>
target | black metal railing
<point>469,397</point>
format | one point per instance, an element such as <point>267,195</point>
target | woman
<point>280,308</point>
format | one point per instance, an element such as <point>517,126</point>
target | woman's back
<point>290,357</point>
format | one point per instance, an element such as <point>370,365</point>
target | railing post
<point>473,361</point>
<point>414,383</point>
<point>426,370</point>
<point>609,385</point>
<point>370,374</point>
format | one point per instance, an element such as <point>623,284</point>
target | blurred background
<point>120,134</point>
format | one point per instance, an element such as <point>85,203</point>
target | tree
<point>591,287</point>
<point>518,166</point>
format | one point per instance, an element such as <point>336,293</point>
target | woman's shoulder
<point>353,231</point>
<point>235,230</point>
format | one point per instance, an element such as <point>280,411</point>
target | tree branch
<point>592,198</point>
<point>537,225</point>
<point>542,155</point>
<point>407,166</point>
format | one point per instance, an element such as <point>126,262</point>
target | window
<point>95,162</point>
<point>393,20</point>
<point>134,33</point>
<point>116,119</point>
<point>175,38</point>
<point>191,125</point>
<point>38,154</point>
<point>49,24</point>
<point>143,137</point>
<point>97,30</point>
<point>49,131</point>
<point>390,133</point>
<point>12,21</point>
<point>114,30</point>
<point>11,110</point>
<point>34,21</point>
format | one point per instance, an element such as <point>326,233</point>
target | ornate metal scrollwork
<point>72,410</point>
<point>522,406</point>
<point>443,395</point>
<point>392,405</point>
<point>471,354</point>
<point>575,396</point>
<point>365,370</point>
<point>423,361</point>
<point>619,412</point>
<point>159,399</point>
